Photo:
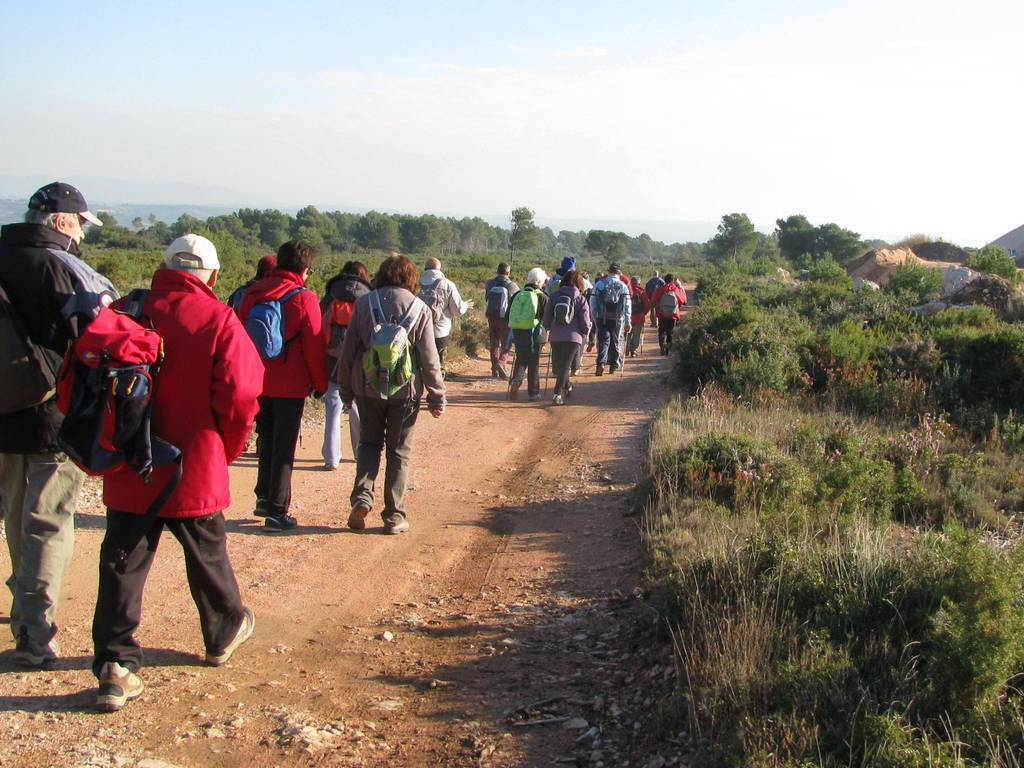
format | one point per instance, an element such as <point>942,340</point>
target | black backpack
<point>28,373</point>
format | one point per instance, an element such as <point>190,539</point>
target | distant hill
<point>14,210</point>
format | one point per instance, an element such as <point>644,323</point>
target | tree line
<point>341,232</point>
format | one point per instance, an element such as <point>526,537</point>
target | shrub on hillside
<point>915,281</point>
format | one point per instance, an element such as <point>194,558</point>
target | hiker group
<point>157,391</point>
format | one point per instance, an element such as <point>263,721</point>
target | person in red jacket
<point>668,305</point>
<point>641,305</point>
<point>288,379</point>
<point>204,403</point>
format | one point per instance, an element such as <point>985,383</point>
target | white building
<point>1012,243</point>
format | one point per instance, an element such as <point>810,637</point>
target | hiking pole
<point>547,373</point>
<point>512,373</point>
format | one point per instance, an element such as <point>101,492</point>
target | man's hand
<point>469,305</point>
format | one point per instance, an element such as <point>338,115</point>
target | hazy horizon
<point>888,118</point>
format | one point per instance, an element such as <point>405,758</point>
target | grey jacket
<point>394,302</point>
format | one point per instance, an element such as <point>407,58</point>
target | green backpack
<point>388,363</point>
<point>522,316</point>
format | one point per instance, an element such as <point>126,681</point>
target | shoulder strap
<point>134,302</point>
<point>376,309</point>
<point>290,294</point>
<point>412,314</point>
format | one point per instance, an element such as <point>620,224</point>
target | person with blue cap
<point>555,281</point>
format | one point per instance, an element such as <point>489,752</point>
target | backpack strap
<point>137,529</point>
<point>134,302</point>
<point>412,314</point>
<point>376,309</point>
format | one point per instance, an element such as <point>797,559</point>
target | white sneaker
<point>558,400</point>
<point>243,634</point>
<point>118,686</point>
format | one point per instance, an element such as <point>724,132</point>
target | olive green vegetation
<point>469,248</point>
<point>833,522</point>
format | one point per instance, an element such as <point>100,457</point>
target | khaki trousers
<point>38,492</point>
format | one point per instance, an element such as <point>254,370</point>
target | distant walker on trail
<point>668,302</point>
<point>567,320</point>
<point>612,311</point>
<point>524,318</point>
<point>498,293</point>
<point>653,285</point>
<point>641,306</point>
<point>444,301</point>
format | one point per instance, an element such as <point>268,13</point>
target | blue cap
<point>568,263</point>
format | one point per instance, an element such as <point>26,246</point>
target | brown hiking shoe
<point>357,518</point>
<point>118,686</point>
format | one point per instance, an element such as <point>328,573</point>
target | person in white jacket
<point>443,297</point>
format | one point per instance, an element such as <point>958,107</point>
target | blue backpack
<point>265,325</point>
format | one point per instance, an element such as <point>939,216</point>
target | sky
<point>889,118</point>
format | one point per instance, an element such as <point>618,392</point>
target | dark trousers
<point>528,353</point>
<point>498,332</point>
<point>384,425</point>
<point>278,423</point>
<point>665,327</point>
<point>609,339</point>
<point>563,358</point>
<point>442,350</point>
<point>119,599</point>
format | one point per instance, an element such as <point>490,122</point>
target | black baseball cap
<point>59,197</point>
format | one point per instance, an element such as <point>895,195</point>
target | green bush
<point>744,347</point>
<point>739,471</point>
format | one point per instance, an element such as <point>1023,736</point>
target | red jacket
<point>680,295</point>
<point>205,399</point>
<point>302,367</point>
<point>641,304</point>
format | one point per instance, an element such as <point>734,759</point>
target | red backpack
<point>105,391</point>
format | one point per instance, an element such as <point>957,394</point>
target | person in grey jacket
<point>388,422</point>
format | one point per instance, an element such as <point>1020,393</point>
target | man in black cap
<point>47,297</point>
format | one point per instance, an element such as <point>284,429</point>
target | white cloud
<point>582,52</point>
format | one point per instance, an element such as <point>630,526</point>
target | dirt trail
<point>512,588</point>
